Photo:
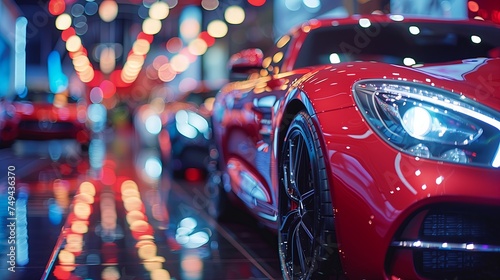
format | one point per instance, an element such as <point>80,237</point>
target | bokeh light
<point>108,10</point>
<point>151,26</point>
<point>234,15</point>
<point>217,28</point>
<point>174,44</point>
<point>159,10</point>
<point>190,28</point>
<point>179,63</point>
<point>63,22</point>
<point>257,3</point>
<point>209,5</point>
<point>57,7</point>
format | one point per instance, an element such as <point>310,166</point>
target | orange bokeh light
<point>473,6</point>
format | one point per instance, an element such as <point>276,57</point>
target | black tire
<point>306,236</point>
<point>219,205</point>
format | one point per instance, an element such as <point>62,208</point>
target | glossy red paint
<point>384,199</point>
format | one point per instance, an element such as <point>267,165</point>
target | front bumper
<point>394,212</point>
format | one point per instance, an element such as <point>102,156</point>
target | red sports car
<point>371,145</point>
<point>43,115</point>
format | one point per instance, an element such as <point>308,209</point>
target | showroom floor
<point>100,215</point>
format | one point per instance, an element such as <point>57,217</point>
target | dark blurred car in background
<point>179,126</point>
<point>8,123</point>
<point>42,115</point>
<point>185,137</point>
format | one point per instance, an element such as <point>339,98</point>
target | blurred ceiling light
<point>159,10</point>
<point>67,33</point>
<point>96,95</point>
<point>217,28</point>
<point>86,76</point>
<point>179,63</point>
<point>188,84</point>
<point>174,44</point>
<point>197,47</point>
<point>166,73</point>
<point>66,258</point>
<point>473,6</point>
<point>87,187</point>
<point>80,61</point>
<point>63,22</point>
<point>209,40</point>
<point>108,10</point>
<point>110,272</point>
<point>209,5</point>
<point>160,274</point>
<point>107,61</point>
<point>91,8</point>
<point>57,7</point>
<point>190,28</point>
<point>234,15</point>
<point>151,26</point>
<point>257,3</point>
<point>108,88</point>
<point>159,61</point>
<point>73,44</point>
<point>141,47</point>
<point>77,10</point>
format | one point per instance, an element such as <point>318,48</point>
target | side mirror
<point>246,61</point>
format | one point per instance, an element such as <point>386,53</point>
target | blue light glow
<point>20,55</point>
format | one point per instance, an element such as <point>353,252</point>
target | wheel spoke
<point>300,250</point>
<point>292,170</point>
<point>297,156</point>
<point>306,230</point>
<point>307,195</point>
<point>287,218</point>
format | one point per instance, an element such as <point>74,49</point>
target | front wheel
<point>307,242</point>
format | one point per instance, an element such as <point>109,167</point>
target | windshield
<point>399,43</point>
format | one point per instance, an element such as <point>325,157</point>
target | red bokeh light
<point>57,7</point>
<point>108,88</point>
<point>473,6</point>
<point>207,38</point>
<point>67,33</point>
<point>146,37</point>
<point>193,174</point>
<point>257,3</point>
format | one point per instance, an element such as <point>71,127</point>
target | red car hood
<point>477,79</point>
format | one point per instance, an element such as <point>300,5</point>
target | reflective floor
<point>113,213</point>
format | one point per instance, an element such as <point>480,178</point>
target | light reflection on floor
<point>121,218</point>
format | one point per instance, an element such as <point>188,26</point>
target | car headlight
<point>430,123</point>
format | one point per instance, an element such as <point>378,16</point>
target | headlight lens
<point>431,123</point>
